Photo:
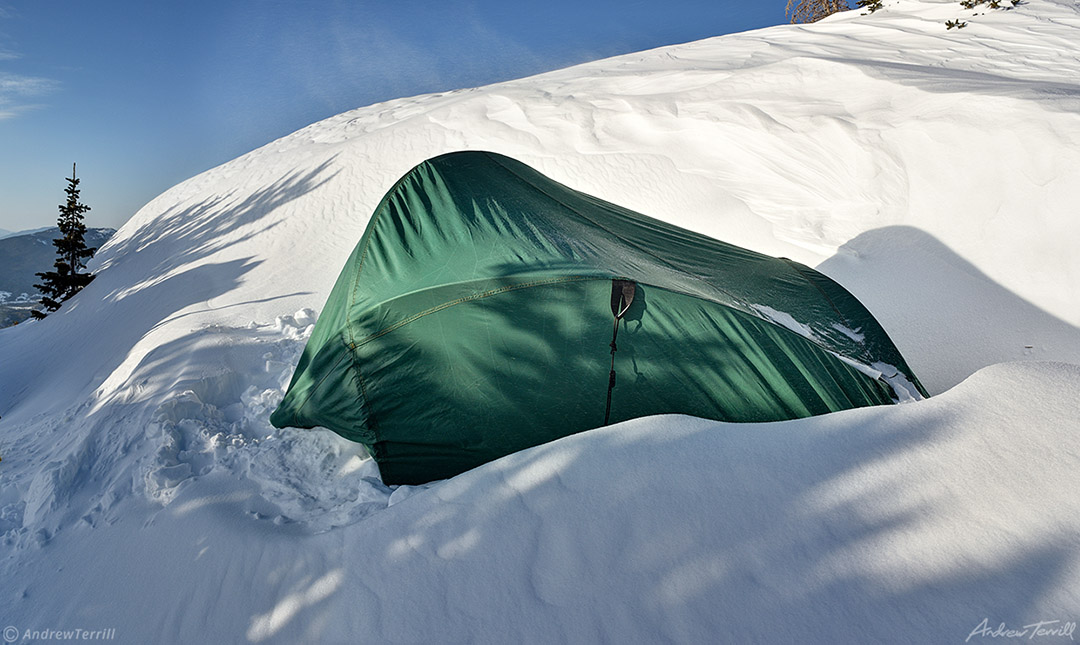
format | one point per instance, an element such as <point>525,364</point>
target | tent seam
<point>366,241</point>
<point>476,296</point>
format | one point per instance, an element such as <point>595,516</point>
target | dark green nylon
<point>473,320</point>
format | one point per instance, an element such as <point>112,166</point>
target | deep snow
<point>934,173</point>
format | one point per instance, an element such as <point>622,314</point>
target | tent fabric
<point>474,319</point>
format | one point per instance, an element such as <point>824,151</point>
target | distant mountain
<point>4,233</point>
<point>22,256</point>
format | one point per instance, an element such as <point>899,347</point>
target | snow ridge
<point>933,173</point>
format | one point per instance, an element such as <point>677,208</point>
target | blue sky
<point>144,94</point>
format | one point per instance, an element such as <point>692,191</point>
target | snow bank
<point>905,524</point>
<point>909,524</point>
<point>934,173</point>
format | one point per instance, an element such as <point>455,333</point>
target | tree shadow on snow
<point>186,233</point>
<point>784,532</point>
<point>167,258</point>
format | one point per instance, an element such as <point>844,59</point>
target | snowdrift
<point>933,173</point>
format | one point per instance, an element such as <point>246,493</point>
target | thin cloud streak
<point>17,91</point>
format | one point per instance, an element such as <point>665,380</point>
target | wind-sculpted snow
<point>934,173</point>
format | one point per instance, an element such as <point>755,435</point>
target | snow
<point>786,320</point>
<point>932,172</point>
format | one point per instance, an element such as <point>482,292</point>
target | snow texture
<point>934,173</point>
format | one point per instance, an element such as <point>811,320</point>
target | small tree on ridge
<point>71,254</point>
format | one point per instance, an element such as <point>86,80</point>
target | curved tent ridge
<point>476,309</point>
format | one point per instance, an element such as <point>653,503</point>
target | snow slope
<point>934,173</point>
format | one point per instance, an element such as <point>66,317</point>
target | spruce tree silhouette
<point>71,254</point>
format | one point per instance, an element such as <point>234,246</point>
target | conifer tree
<point>814,10</point>
<point>71,254</point>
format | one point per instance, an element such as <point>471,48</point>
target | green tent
<point>478,316</point>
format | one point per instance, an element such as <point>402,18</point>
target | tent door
<point>622,295</point>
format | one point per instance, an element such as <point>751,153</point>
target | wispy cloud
<point>19,94</point>
<point>5,53</point>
